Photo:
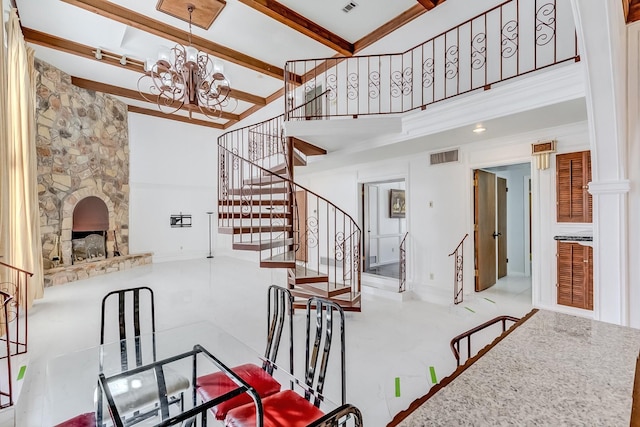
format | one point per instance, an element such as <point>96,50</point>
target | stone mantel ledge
<point>66,274</point>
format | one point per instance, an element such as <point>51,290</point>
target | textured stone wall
<point>83,150</point>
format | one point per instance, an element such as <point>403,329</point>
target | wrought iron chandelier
<point>186,78</point>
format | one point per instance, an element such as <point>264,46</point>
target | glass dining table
<point>97,384</point>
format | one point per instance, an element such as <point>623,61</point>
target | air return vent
<point>349,7</point>
<point>444,157</point>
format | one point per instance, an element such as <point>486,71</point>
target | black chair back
<point>279,313</point>
<point>135,319</point>
<point>323,313</point>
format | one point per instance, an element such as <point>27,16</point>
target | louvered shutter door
<point>573,173</point>
<point>575,276</point>
<point>565,273</point>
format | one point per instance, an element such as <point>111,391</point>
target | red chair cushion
<point>214,385</point>
<point>84,420</point>
<point>286,408</point>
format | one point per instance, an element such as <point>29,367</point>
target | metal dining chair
<point>279,314</point>
<point>288,408</point>
<point>133,311</point>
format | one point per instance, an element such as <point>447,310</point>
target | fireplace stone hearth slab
<point>66,274</point>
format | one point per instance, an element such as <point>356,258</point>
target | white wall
<point>440,203</point>
<point>174,169</point>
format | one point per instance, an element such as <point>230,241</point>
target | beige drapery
<point>20,242</point>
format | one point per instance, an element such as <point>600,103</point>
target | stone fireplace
<point>82,145</point>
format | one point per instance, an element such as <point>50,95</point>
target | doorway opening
<point>502,228</point>
<point>384,226</point>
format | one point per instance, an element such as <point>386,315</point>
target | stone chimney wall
<point>83,150</point>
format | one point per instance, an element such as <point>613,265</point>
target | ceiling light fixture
<point>184,77</point>
<point>479,129</point>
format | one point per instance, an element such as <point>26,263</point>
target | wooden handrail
<point>455,342</point>
<point>16,268</point>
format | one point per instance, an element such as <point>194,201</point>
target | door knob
<point>496,234</point>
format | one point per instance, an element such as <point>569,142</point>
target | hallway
<point>387,340</point>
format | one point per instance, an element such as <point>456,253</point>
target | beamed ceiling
<point>253,38</point>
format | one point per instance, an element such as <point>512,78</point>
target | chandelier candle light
<point>184,77</point>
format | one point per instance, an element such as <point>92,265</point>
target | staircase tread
<point>262,245</point>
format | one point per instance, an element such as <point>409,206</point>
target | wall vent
<point>444,157</point>
<point>349,7</point>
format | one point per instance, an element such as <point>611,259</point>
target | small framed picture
<point>396,204</point>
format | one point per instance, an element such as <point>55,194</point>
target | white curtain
<point>20,242</point>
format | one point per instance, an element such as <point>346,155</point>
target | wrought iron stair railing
<point>402,277</point>
<point>458,271</point>
<point>14,283</point>
<point>512,39</point>
<point>289,225</point>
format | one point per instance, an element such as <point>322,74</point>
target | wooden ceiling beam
<point>160,29</point>
<point>389,27</point>
<point>427,4</point>
<point>68,46</point>
<point>175,117</point>
<point>633,11</point>
<point>294,20</point>
<point>57,43</point>
<point>133,94</point>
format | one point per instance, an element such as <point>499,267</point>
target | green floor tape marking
<point>490,300</point>
<point>434,379</point>
<point>470,309</point>
<point>397,386</point>
<point>23,368</point>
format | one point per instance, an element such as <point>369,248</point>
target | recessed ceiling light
<point>479,129</point>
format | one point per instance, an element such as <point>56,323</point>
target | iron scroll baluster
<point>458,271</point>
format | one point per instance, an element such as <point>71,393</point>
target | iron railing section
<point>6,386</point>
<point>455,342</point>
<point>509,40</point>
<point>402,286</point>
<point>458,271</point>
<point>15,282</point>
<point>328,240</point>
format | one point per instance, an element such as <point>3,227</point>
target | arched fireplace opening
<point>89,230</point>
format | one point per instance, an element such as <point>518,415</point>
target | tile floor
<point>388,339</point>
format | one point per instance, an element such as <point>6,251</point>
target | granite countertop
<point>578,238</point>
<point>553,370</point>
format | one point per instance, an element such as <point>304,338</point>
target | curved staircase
<point>289,225</point>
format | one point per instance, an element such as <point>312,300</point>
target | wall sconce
<point>541,151</point>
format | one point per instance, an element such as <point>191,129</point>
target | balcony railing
<point>512,39</point>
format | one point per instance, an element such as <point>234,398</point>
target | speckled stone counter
<point>553,370</point>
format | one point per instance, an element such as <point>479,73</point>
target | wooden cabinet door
<point>573,174</point>
<point>575,275</point>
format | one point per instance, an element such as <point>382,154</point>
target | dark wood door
<point>484,229</point>
<point>502,226</point>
